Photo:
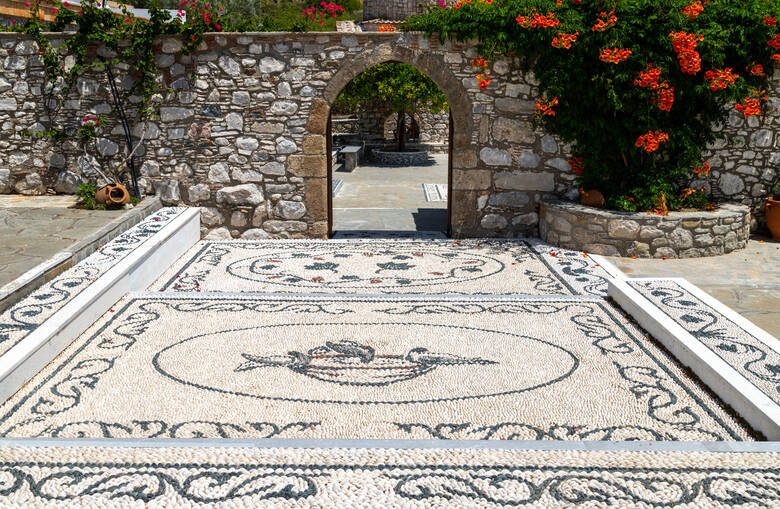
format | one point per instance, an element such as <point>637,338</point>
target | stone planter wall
<point>678,235</point>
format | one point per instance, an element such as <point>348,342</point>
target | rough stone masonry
<point>241,132</point>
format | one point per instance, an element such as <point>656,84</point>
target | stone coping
<point>639,234</point>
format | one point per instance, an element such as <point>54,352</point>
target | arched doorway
<point>433,66</point>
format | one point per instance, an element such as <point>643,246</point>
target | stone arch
<point>431,64</point>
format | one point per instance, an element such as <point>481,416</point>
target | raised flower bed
<point>677,235</point>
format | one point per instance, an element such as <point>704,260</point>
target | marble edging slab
<point>724,379</point>
<point>126,268</point>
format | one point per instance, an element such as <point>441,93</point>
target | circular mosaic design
<point>365,363</point>
<point>348,268</point>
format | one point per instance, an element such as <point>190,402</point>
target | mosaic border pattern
<point>26,316</point>
<point>749,355</point>
<point>570,272</point>
<point>395,478</point>
<point>645,381</point>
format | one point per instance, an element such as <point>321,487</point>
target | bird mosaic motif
<point>349,363</point>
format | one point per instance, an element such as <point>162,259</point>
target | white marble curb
<point>134,272</point>
<point>751,404</point>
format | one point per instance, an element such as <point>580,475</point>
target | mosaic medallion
<point>388,268</point>
<point>252,363</point>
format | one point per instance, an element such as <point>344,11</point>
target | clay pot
<point>773,217</point>
<point>592,198</point>
<point>112,194</point>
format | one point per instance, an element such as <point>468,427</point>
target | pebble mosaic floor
<point>222,349</point>
<point>534,368</point>
<point>381,478</point>
<point>386,266</point>
<point>23,318</point>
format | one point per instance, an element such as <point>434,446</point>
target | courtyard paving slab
<point>534,368</point>
<point>34,228</point>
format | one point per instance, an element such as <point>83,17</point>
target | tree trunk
<point>400,130</point>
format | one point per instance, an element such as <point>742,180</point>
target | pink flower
<point>27,4</point>
<point>55,11</point>
<point>217,27</point>
<point>321,22</point>
<point>127,20</point>
<point>181,4</point>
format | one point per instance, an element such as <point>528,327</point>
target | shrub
<point>634,85</point>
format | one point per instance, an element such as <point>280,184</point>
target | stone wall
<point>245,139</point>
<point>678,235</point>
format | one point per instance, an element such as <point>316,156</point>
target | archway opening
<point>389,155</point>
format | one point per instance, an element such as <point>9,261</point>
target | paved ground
<point>382,198</point>
<point>747,281</point>
<point>33,228</point>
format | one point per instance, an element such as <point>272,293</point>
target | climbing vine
<point>635,86</point>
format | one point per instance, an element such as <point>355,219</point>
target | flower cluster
<point>664,97</point>
<point>651,140</point>
<point>693,10</point>
<point>607,21</point>
<point>702,170</point>
<point>204,12</point>
<point>535,20</point>
<point>90,120</point>
<point>756,69</point>
<point>774,42</point>
<point>685,47</point>
<point>664,94</point>
<point>771,21</point>
<point>614,55</point>
<point>576,165</point>
<point>545,107</point>
<point>317,14</point>
<point>720,78</point>
<point>659,206</point>
<point>750,106</point>
<point>482,77</point>
<point>386,28</point>
<point>564,41</point>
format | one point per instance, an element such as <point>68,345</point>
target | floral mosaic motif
<point>30,313</point>
<point>350,363</point>
<point>211,484</point>
<point>388,266</point>
<point>498,485</point>
<point>523,431</point>
<point>587,486</point>
<point>186,429</point>
<point>749,355</point>
<point>384,268</point>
